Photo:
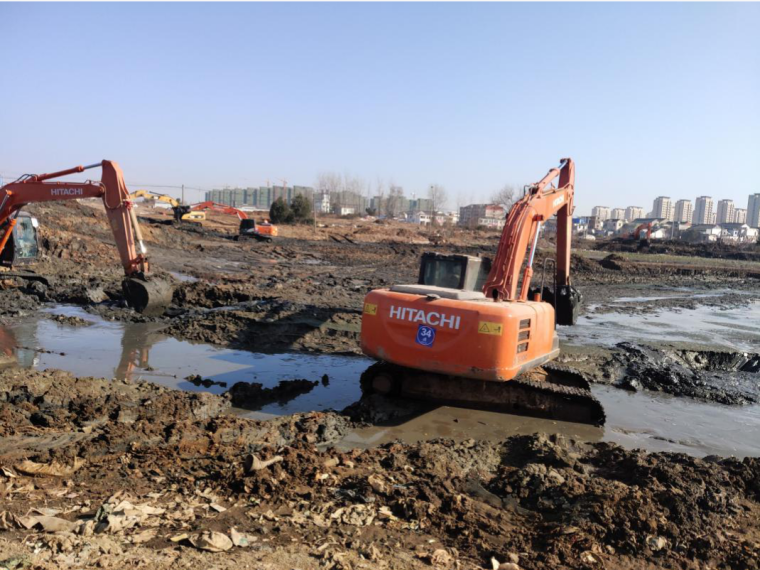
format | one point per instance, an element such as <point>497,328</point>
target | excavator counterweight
<point>473,332</point>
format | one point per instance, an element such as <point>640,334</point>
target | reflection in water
<point>142,351</point>
<point>8,346</point>
<point>135,350</point>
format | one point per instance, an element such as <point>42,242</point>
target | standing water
<point>107,349</point>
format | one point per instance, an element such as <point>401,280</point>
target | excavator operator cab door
<point>23,244</point>
<point>463,272</point>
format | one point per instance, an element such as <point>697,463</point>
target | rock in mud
<point>254,395</point>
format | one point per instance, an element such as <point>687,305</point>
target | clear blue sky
<point>649,99</point>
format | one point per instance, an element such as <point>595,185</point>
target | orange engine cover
<point>474,339</point>
<point>267,229</point>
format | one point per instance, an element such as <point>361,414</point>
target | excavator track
<point>551,393</point>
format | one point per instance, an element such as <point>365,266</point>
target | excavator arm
<point>521,232</point>
<point>145,296</point>
<point>224,209</point>
<point>520,237</point>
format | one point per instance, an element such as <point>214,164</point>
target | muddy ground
<point>98,473</point>
<point>107,474</point>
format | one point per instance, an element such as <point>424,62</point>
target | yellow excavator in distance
<point>182,212</point>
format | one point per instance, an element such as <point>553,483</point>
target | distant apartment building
<point>663,208</point>
<point>489,215</point>
<point>595,224</point>
<point>725,214</point>
<point>740,216</point>
<point>601,213</point>
<point>420,205</point>
<point>683,212</point>
<point>703,211</point>
<point>344,200</point>
<point>260,198</point>
<point>613,225</point>
<point>440,218</point>
<point>633,213</point>
<point>753,211</point>
<point>618,214</point>
<point>391,205</point>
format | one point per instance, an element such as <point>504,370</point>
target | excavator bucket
<point>149,297</point>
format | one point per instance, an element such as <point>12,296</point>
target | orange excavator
<point>146,294</point>
<point>248,227</point>
<point>473,333</point>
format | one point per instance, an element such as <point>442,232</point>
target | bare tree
<point>438,199</point>
<point>505,196</point>
<point>393,205</point>
<point>328,182</point>
<point>438,196</point>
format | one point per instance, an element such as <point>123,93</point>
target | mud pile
<point>107,473</point>
<point>722,376</point>
<point>714,376</point>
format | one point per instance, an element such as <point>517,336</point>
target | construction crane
<point>182,212</point>
<point>146,294</point>
<point>472,332</point>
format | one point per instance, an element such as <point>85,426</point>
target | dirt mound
<point>721,376</point>
<point>614,262</point>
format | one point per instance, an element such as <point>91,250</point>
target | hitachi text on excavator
<point>146,294</point>
<point>474,333</point>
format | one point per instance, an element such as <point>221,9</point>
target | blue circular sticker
<point>425,335</point>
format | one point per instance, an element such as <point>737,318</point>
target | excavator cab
<point>464,272</point>
<point>23,244</point>
<point>260,232</point>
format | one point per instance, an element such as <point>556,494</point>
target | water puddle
<point>183,277</point>
<point>645,420</point>
<point>673,293</point>
<point>141,351</point>
<point>735,328</point>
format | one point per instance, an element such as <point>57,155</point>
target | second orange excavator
<point>472,332</point>
<point>248,227</point>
